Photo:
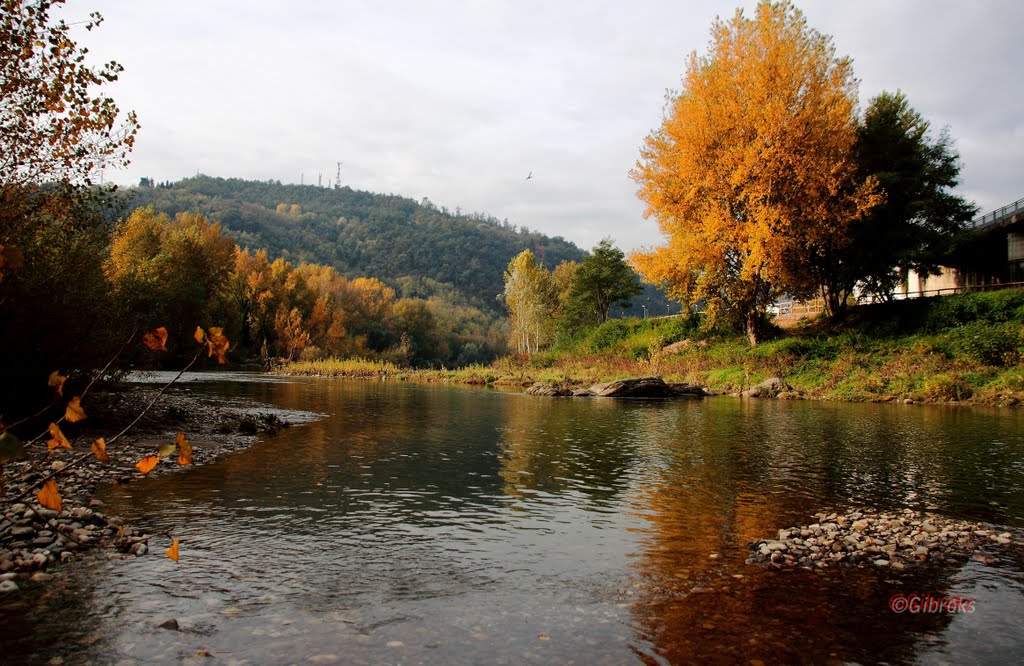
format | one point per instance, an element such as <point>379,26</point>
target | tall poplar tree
<point>751,172</point>
<point>531,300</point>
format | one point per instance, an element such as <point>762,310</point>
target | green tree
<point>915,226</point>
<point>530,299</point>
<point>603,279</point>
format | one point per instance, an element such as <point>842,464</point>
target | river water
<point>442,525</point>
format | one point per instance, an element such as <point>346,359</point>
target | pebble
<point>34,538</point>
<point>895,540</point>
<point>8,586</point>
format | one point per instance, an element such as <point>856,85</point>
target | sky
<point>459,101</point>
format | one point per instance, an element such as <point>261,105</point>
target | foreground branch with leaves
<point>45,487</point>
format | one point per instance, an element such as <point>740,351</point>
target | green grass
<point>965,348</point>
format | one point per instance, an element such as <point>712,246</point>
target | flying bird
<point>529,176</point>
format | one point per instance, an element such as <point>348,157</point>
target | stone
<point>769,388</point>
<point>171,625</point>
<point>138,549</point>
<point>540,388</point>
<point>645,387</point>
<point>8,586</point>
<point>41,577</point>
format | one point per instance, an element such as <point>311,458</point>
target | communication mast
<point>337,179</point>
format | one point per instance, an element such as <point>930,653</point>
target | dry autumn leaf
<point>184,450</point>
<point>49,497</point>
<point>156,340</point>
<point>57,438</point>
<point>57,380</point>
<point>165,450</point>
<point>147,464</point>
<point>172,552</point>
<point>74,412</point>
<point>199,335</point>
<point>217,344</point>
<point>99,448</point>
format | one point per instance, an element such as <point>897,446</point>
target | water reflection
<point>442,525</point>
<point>728,473</point>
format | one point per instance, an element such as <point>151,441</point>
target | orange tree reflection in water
<point>723,475</point>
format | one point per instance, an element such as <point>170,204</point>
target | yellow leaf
<point>57,438</point>
<point>165,450</point>
<point>99,448</point>
<point>172,552</point>
<point>156,339</point>
<point>147,464</point>
<point>57,380</point>
<point>217,344</point>
<point>49,497</point>
<point>184,450</point>
<point>74,412</point>
<point>199,335</point>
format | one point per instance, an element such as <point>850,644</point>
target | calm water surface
<point>417,524</point>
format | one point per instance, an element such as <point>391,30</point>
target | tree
<point>530,299</point>
<point>174,271</point>
<point>602,280</point>
<point>54,124</point>
<point>916,224</point>
<point>751,172</point>
<point>56,129</point>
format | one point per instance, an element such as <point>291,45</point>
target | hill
<point>420,249</point>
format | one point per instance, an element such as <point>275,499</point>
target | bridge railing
<point>994,216</point>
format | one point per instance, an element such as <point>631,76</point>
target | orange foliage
<point>156,340</point>
<point>184,450</point>
<point>57,380</point>
<point>752,168</point>
<point>49,497</point>
<point>57,438</point>
<point>74,412</point>
<point>147,464</point>
<point>99,449</point>
<point>172,552</point>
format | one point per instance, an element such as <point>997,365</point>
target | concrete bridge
<point>1008,214</point>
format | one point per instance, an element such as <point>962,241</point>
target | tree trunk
<point>752,327</point>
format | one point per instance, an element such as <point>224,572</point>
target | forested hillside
<point>419,248</point>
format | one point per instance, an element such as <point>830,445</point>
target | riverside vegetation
<point>967,348</point>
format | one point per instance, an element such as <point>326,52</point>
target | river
<point>420,524</point>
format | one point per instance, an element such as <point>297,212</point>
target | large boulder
<point>639,387</point>
<point>769,388</point>
<point>644,387</point>
<point>540,388</point>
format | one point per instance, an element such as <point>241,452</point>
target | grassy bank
<point>965,348</point>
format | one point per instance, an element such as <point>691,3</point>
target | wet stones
<point>893,540</point>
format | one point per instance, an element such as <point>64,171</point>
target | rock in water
<point>644,387</point>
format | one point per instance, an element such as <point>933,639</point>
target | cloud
<point>458,100</point>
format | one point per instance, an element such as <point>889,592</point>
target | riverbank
<point>34,540</point>
<point>964,349</point>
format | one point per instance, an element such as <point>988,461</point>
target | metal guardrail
<point>996,215</point>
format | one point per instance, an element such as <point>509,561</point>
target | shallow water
<point>420,524</point>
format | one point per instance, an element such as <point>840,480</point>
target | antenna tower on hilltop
<point>337,179</point>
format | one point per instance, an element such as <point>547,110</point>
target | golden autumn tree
<point>751,172</point>
<point>531,301</point>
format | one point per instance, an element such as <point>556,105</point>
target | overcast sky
<point>460,100</point>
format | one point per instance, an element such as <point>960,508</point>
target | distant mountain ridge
<point>418,248</point>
